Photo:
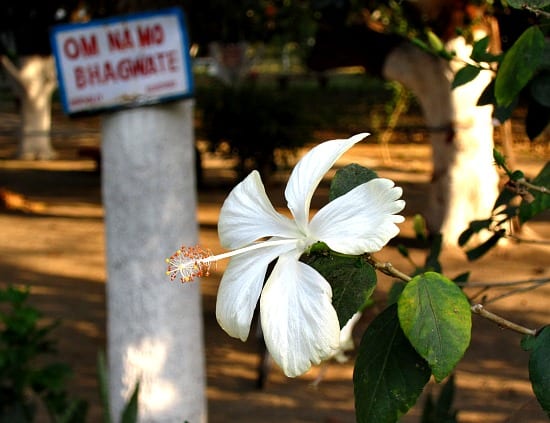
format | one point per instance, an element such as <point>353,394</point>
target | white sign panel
<point>124,61</point>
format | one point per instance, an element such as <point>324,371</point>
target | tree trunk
<point>155,333</point>
<point>464,182</point>
<point>34,83</point>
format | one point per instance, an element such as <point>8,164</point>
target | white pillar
<point>154,328</point>
<point>464,183</point>
<point>33,83</point>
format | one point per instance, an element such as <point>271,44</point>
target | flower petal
<point>309,171</point>
<point>240,289</point>
<point>247,215</point>
<point>299,323</point>
<point>362,220</point>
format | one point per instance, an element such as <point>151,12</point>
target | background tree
<point>26,58</point>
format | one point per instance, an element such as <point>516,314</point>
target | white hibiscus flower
<point>298,320</point>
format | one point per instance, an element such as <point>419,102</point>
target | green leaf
<point>348,178</point>
<point>389,374</point>
<point>444,407</point>
<point>500,113</point>
<point>527,343</point>
<point>434,41</point>
<point>537,119</point>
<point>51,377</point>
<point>545,60</point>
<point>436,318</point>
<point>537,4</point>
<point>352,280</point>
<point>541,201</point>
<point>395,291</point>
<point>539,369</point>
<point>462,278</point>
<point>503,113</point>
<point>442,410</point>
<point>404,251</point>
<point>466,74</point>
<point>499,158</point>
<point>488,95</point>
<point>130,412</point>
<point>465,236</point>
<point>432,260</point>
<point>517,175</point>
<point>473,228</point>
<point>519,65</point>
<point>485,247</point>
<point>103,378</point>
<point>504,198</point>
<point>540,89</point>
<point>480,51</point>
<point>420,228</point>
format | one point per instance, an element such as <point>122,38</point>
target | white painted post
<point>464,182</point>
<point>155,332</point>
<point>33,83</point>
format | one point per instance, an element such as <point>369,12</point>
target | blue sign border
<point>173,11</point>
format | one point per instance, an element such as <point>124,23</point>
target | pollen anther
<point>189,263</point>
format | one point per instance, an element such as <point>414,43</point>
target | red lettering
<point>125,69</point>
<point>80,77</point>
<point>172,61</point>
<point>74,48</point>
<point>94,75</point>
<point>150,35</point>
<point>120,40</point>
<point>150,65</point>
<point>108,73</point>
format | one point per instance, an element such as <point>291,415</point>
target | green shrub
<point>255,122</point>
<point>25,376</point>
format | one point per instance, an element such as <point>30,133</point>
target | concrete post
<point>33,83</point>
<point>155,332</point>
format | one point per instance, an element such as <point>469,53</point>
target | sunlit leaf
<point>539,369</point>
<point>519,65</point>
<point>389,374</point>
<point>435,316</point>
<point>420,228</point>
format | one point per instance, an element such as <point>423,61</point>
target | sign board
<point>123,61</point>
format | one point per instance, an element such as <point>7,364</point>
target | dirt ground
<point>55,244</point>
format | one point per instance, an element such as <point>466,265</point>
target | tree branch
<point>388,269</point>
<point>501,321</point>
<point>519,239</point>
<point>540,281</point>
<point>536,11</point>
<point>12,71</point>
